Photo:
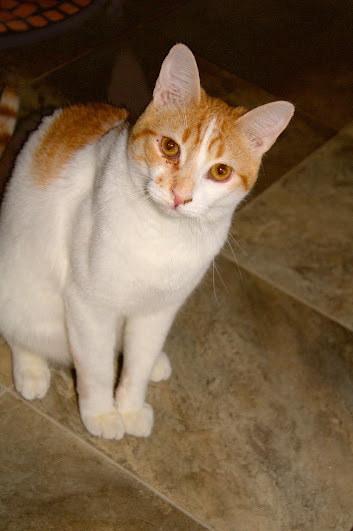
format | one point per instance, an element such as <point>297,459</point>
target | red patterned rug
<point>23,22</point>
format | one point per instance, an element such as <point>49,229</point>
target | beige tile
<point>254,429</point>
<point>298,235</point>
<point>49,480</point>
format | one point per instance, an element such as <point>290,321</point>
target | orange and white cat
<point>107,229</point>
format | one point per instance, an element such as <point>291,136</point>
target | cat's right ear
<point>178,82</point>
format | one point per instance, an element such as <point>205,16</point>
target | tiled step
<point>51,480</point>
<point>298,234</point>
<point>254,428</point>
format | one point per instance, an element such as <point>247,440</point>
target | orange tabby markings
<point>220,151</point>
<point>225,144</point>
<point>213,142</point>
<point>244,180</point>
<point>76,127</point>
<point>186,134</point>
<point>144,132</point>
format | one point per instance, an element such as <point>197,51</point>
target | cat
<point>107,229</point>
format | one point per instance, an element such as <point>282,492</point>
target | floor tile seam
<point>290,294</point>
<point>6,387</point>
<point>124,471</point>
<point>249,200</point>
<point>3,391</point>
<point>124,35</point>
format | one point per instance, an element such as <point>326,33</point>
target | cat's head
<point>198,155</point>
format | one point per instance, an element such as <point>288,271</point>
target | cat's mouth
<point>178,211</point>
<point>171,204</point>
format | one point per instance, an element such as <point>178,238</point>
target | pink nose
<point>180,198</point>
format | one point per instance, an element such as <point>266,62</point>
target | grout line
<point>3,390</point>
<point>297,167</point>
<point>288,293</point>
<point>110,460</point>
<point>255,273</point>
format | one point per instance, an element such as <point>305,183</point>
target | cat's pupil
<point>222,169</point>
<point>171,145</point>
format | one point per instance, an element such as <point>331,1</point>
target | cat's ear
<point>263,125</point>
<point>178,82</point>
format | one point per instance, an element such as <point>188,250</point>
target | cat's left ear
<point>263,125</point>
<point>178,82</point>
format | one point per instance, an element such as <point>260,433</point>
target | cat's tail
<point>9,105</point>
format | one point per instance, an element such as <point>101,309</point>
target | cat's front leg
<point>143,341</point>
<point>92,331</point>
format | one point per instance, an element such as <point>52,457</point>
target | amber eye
<point>220,172</point>
<point>169,147</point>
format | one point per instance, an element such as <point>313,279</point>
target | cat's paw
<point>162,368</point>
<point>107,425</point>
<point>32,383</point>
<point>138,422</point>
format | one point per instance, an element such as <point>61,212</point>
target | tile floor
<point>254,429</point>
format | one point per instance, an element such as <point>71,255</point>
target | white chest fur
<point>129,253</point>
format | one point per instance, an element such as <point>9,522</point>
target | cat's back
<point>66,133</point>
<point>57,163</point>
<point>55,169</point>
<point>60,138</point>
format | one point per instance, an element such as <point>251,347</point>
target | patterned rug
<point>24,22</point>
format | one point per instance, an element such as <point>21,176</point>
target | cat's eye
<point>170,148</point>
<point>220,172</point>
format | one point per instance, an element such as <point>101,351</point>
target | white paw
<point>138,422</point>
<point>162,368</point>
<point>107,425</point>
<point>32,383</point>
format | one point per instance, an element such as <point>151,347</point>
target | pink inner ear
<point>178,82</point>
<point>263,125</point>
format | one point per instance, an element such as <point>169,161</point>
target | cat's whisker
<point>237,243</point>
<point>118,263</point>
<point>236,261</point>
<point>221,279</point>
<point>214,285</point>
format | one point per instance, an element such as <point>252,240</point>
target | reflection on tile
<point>299,233</point>
<point>299,51</point>
<point>49,480</point>
<point>77,81</point>
<point>241,435</point>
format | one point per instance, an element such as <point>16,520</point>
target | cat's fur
<point>103,236</point>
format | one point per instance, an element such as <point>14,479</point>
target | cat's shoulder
<point>69,130</point>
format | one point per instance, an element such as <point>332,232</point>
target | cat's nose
<point>180,198</point>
